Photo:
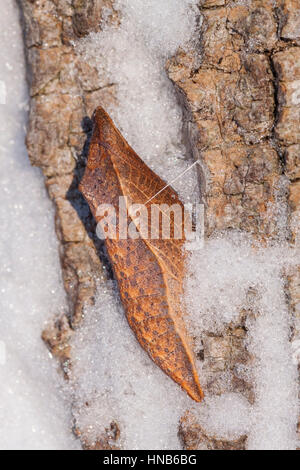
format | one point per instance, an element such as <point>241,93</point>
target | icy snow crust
<point>115,376</point>
<point>33,414</point>
<point>234,274</point>
<point>121,384</point>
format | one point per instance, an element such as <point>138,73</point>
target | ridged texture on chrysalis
<point>149,271</point>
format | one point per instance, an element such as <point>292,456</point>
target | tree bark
<point>239,90</point>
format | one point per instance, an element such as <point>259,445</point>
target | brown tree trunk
<point>242,120</point>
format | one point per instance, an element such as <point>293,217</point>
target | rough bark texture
<point>64,90</point>
<point>240,92</point>
<point>194,437</point>
<point>241,95</point>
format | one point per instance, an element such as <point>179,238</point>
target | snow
<point>237,274</point>
<point>33,413</point>
<point>226,416</point>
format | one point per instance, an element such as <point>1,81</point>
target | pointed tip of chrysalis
<point>197,394</point>
<point>193,389</point>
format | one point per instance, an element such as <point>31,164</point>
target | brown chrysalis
<point>149,270</point>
